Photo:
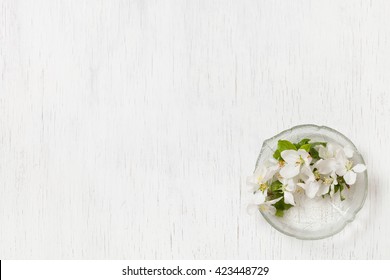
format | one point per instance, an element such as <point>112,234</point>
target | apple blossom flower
<point>348,171</point>
<point>260,203</point>
<point>288,187</point>
<point>294,161</point>
<point>328,184</point>
<point>259,179</point>
<point>310,184</point>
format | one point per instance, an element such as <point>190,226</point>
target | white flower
<point>288,187</point>
<point>328,152</point>
<point>261,204</point>
<point>326,166</point>
<point>310,184</point>
<point>348,151</point>
<point>348,171</point>
<point>294,161</point>
<point>328,184</point>
<point>273,166</point>
<point>331,156</point>
<point>259,179</point>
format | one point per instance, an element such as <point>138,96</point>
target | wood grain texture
<point>127,128</point>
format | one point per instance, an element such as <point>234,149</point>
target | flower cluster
<point>318,169</point>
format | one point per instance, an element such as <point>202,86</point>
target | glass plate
<point>321,217</point>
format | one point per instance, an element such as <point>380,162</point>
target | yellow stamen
<point>263,187</point>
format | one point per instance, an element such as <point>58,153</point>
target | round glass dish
<point>322,217</point>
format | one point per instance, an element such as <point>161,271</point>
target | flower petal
<point>350,177</point>
<point>271,202</point>
<point>258,198</point>
<point>306,174</point>
<point>312,189</point>
<point>305,156</point>
<point>323,152</point>
<point>341,170</point>
<point>324,189</point>
<point>348,150</point>
<point>272,210</point>
<point>290,156</point>
<point>289,171</point>
<point>251,182</point>
<point>331,193</point>
<point>289,198</point>
<point>260,171</point>
<point>358,168</point>
<point>303,153</point>
<point>326,166</point>
<point>291,186</point>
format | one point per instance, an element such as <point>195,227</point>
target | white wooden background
<point>127,128</point>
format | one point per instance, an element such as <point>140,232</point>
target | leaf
<point>277,155</point>
<point>279,213</point>
<point>285,145</point>
<point>306,147</point>
<point>314,153</point>
<point>303,142</point>
<point>342,186</point>
<point>276,186</point>
<point>280,205</point>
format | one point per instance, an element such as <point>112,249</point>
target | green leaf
<point>281,205</point>
<point>303,142</point>
<point>275,186</point>
<point>277,155</point>
<point>279,213</point>
<point>285,145</point>
<point>341,192</point>
<point>306,147</point>
<point>314,153</point>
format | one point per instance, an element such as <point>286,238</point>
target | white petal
<point>340,156</point>
<point>251,180</point>
<point>269,175</point>
<point>331,190</point>
<point>271,202</point>
<point>306,174</point>
<point>323,152</point>
<point>252,188</point>
<point>348,150</point>
<point>312,189</point>
<point>303,153</point>
<point>289,171</point>
<point>282,180</point>
<point>258,198</point>
<point>290,156</point>
<point>305,156</point>
<point>260,171</point>
<point>350,177</point>
<point>326,166</point>
<point>333,149</point>
<point>251,185</point>
<point>358,168</point>
<point>324,189</point>
<point>272,210</point>
<point>273,165</point>
<point>290,186</point>
<point>289,198</point>
<point>341,170</point>
<point>252,209</point>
